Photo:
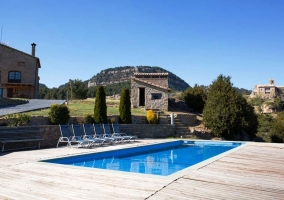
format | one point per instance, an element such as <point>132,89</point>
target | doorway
<point>141,96</point>
<point>10,92</point>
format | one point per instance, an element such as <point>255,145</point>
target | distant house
<point>18,73</point>
<point>150,91</point>
<point>268,91</point>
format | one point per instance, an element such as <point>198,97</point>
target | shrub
<point>226,112</point>
<point>256,101</point>
<point>277,129</point>
<point>18,120</point>
<point>265,122</point>
<point>58,114</point>
<point>195,97</point>
<point>112,120</point>
<point>89,119</point>
<point>100,110</point>
<point>125,107</point>
<point>151,117</point>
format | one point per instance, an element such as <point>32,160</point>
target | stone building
<point>268,91</point>
<point>18,73</point>
<point>150,91</point>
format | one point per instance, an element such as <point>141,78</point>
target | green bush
<point>265,122</point>
<point>226,112</point>
<point>18,120</point>
<point>256,101</point>
<point>89,119</point>
<point>195,97</point>
<point>277,129</point>
<point>100,110</point>
<point>58,114</point>
<point>125,107</point>
<point>151,117</point>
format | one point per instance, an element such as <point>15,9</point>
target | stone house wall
<point>15,60</point>
<point>156,104</point>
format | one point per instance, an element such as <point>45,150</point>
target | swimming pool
<point>159,159</point>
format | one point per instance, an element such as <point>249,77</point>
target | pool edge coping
<point>171,177</point>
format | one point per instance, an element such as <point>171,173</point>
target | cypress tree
<point>100,110</point>
<point>125,107</point>
<point>226,112</point>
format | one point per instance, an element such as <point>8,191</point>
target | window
<point>156,96</point>
<point>14,77</point>
<point>16,90</point>
<point>0,76</point>
<point>267,90</point>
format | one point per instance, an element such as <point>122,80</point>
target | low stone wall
<point>187,119</point>
<point>51,133</point>
<point>148,130</point>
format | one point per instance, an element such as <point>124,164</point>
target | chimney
<point>33,49</point>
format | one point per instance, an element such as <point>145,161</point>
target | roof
<point>265,85</point>
<point>22,53</point>
<point>153,84</point>
<point>151,74</point>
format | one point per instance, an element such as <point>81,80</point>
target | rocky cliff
<point>121,74</point>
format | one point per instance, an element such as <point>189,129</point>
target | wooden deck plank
<point>252,171</point>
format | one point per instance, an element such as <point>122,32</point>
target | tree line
<point>79,90</point>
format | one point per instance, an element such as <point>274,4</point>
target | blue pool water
<point>159,159</point>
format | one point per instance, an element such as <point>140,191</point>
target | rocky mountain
<point>122,74</point>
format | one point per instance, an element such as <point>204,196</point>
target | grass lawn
<point>82,107</point>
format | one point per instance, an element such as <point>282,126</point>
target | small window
<point>21,64</point>
<point>16,91</point>
<point>156,96</point>
<point>267,90</point>
<point>14,77</point>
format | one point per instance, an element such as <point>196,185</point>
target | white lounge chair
<point>66,135</point>
<point>100,134</point>
<point>108,133</point>
<point>89,134</point>
<point>117,132</point>
<point>77,137</point>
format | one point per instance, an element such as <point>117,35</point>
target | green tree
<point>278,104</point>
<point>91,92</point>
<point>100,110</point>
<point>277,129</point>
<point>256,101</point>
<point>125,107</point>
<point>195,97</point>
<point>265,122</point>
<point>226,112</point>
<point>79,89</point>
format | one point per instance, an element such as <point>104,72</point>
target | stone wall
<point>187,119</point>
<point>51,133</point>
<point>156,104</point>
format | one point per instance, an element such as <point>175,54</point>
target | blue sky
<point>196,40</point>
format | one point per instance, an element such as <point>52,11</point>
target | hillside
<point>122,74</point>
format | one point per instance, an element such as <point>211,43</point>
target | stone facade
<point>268,91</point>
<point>18,73</point>
<point>150,91</point>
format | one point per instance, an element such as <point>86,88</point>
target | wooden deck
<point>252,172</point>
